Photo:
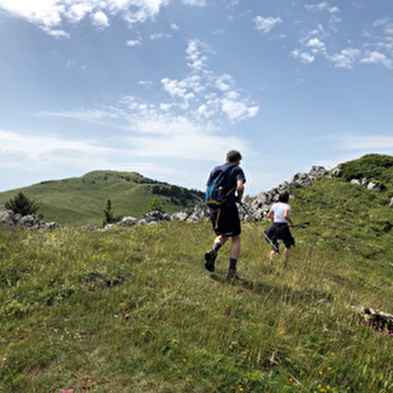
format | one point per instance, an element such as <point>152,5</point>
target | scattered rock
<point>375,318</point>
<point>9,220</point>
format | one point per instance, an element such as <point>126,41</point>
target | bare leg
<point>235,247</point>
<point>271,256</point>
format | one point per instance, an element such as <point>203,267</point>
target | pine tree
<point>22,204</point>
<point>109,214</point>
<point>156,205</point>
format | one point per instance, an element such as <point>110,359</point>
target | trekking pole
<point>263,232</point>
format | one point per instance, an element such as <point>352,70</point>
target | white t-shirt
<point>279,209</point>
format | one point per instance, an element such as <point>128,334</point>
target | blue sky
<point>166,87</point>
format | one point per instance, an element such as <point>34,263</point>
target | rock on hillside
<point>10,220</point>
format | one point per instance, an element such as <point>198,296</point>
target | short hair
<point>233,156</point>
<point>283,196</point>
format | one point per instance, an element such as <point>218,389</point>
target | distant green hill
<point>82,200</point>
<point>371,166</point>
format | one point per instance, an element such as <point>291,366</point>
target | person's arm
<point>288,218</point>
<point>270,215</point>
<point>240,189</point>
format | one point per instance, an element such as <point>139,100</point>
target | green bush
<point>22,204</point>
<point>371,166</point>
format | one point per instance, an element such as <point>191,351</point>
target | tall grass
<point>134,310</point>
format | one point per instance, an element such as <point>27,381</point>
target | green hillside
<point>134,310</point>
<point>80,201</point>
<point>371,166</point>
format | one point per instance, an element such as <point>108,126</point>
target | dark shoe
<point>232,274</point>
<point>210,258</point>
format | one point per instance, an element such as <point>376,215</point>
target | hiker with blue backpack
<point>225,187</point>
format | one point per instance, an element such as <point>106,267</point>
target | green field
<point>134,310</point>
<point>80,201</point>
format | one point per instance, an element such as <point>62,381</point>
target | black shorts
<point>226,220</point>
<point>280,232</point>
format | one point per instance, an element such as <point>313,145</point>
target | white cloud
<point>50,14</point>
<point>323,6</point>
<point>237,110</point>
<point>100,19</point>
<point>174,87</point>
<point>134,42</point>
<point>158,36</point>
<point>203,93</point>
<point>266,24</point>
<point>346,58</point>
<point>316,43</point>
<point>197,60</point>
<point>304,57</point>
<point>199,3</point>
<point>377,58</point>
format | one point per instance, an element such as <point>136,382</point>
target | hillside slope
<point>134,310</point>
<point>80,201</point>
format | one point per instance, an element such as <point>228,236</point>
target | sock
<point>216,247</point>
<point>232,264</point>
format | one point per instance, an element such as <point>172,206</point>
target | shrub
<point>22,204</point>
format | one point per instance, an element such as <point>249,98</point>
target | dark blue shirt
<point>234,173</point>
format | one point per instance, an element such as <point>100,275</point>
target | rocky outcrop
<point>261,203</point>
<point>370,185</point>
<point>10,220</point>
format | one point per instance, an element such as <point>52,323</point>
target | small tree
<point>156,204</point>
<point>22,204</point>
<point>108,212</point>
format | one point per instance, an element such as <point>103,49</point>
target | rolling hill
<point>80,201</point>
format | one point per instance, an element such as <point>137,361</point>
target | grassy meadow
<point>79,201</point>
<point>134,310</point>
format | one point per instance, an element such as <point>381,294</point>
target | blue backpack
<point>216,194</point>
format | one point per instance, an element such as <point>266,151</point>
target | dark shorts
<point>226,220</point>
<point>279,232</point>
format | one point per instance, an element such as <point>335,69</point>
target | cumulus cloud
<point>346,58</point>
<point>304,57</point>
<point>265,24</point>
<point>203,93</point>
<point>51,14</point>
<point>100,19</point>
<point>377,58</point>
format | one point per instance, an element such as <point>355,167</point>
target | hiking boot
<point>210,258</point>
<point>232,274</point>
